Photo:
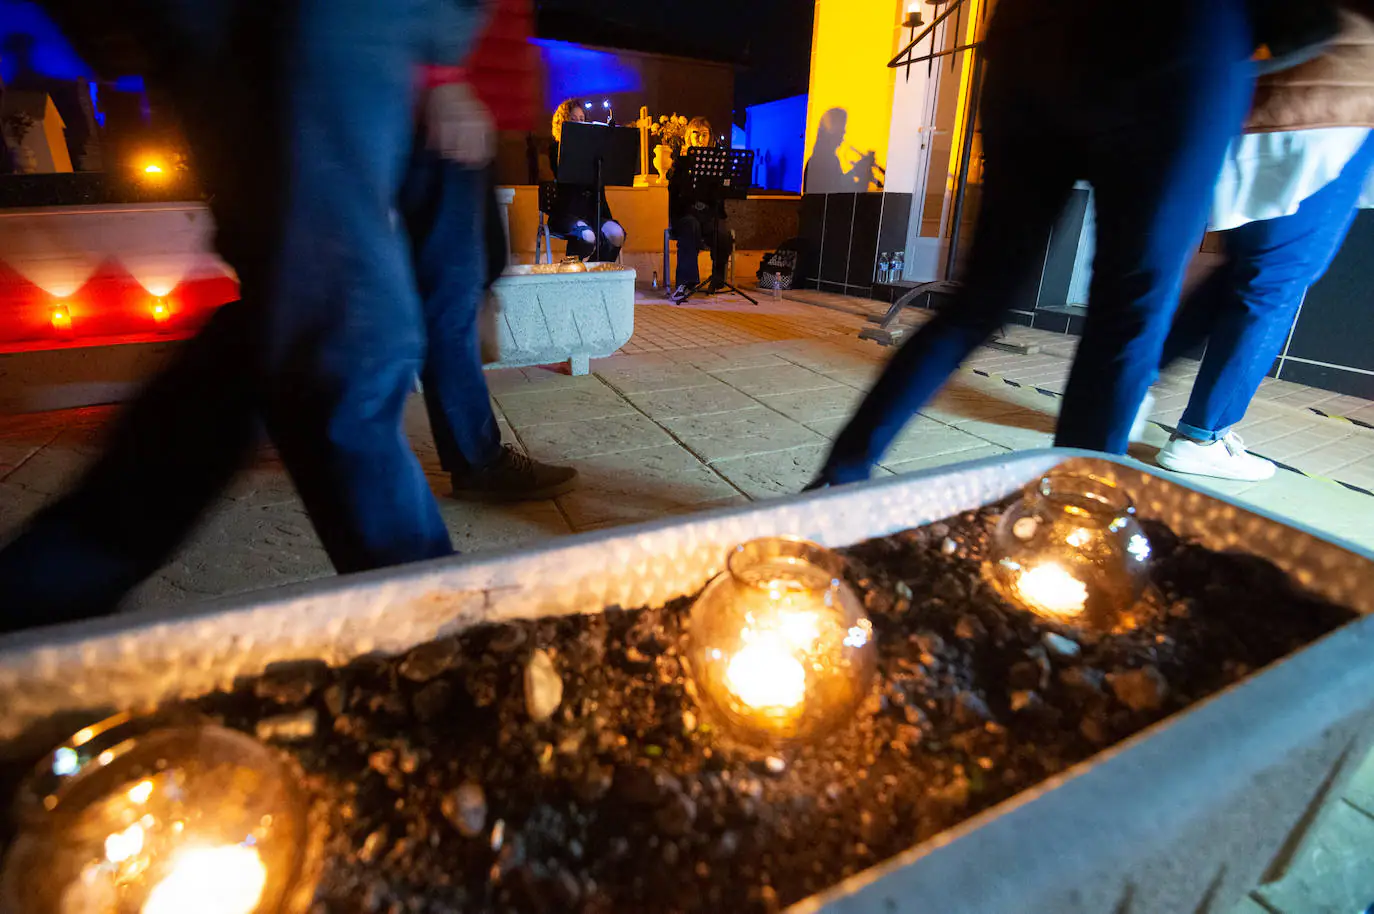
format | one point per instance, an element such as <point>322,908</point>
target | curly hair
<point>560,114</point>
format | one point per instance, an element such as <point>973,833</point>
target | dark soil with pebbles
<point>447,795</point>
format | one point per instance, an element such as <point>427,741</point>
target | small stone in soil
<point>288,728</point>
<point>949,547</point>
<point>1060,646</point>
<point>1140,690</point>
<point>775,765</point>
<point>466,809</point>
<point>543,687</point>
<point>430,660</point>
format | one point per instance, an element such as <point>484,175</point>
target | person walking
<point>1289,190</point>
<point>459,247</point>
<point>1145,114</point>
<point>300,118</point>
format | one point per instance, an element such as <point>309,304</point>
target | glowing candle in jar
<point>766,675</point>
<point>779,648</point>
<point>1050,590</point>
<point>130,816</point>
<point>210,880</point>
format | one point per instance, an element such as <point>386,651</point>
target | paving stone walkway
<point>719,402</point>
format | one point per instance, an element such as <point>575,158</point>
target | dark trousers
<point>694,232</point>
<point>1245,309</point>
<point>451,216</point>
<point>1145,115</point>
<point>300,118</point>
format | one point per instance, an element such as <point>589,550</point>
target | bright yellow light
<point>766,674</point>
<point>61,318</point>
<point>152,169</point>
<point>123,845</point>
<point>210,880</point>
<point>139,793</point>
<point>1051,591</point>
<point>1079,538</point>
<point>160,311</point>
<point>850,43</point>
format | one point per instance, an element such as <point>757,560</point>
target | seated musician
<point>575,204</point>
<point>697,219</point>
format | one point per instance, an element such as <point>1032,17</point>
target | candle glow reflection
<point>1051,591</point>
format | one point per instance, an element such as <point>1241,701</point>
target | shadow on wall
<point>825,170</point>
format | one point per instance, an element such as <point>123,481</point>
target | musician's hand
<point>459,126</point>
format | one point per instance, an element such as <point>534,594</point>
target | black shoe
<point>680,294</point>
<point>716,287</point>
<point>514,476</point>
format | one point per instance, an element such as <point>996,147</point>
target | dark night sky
<point>770,39</point>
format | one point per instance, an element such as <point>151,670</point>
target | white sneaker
<point>1224,459</point>
<point>1142,417</point>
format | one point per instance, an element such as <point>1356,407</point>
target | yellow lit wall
<point>852,42</point>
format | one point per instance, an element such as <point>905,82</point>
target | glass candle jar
<point>1071,551</point>
<point>131,819</point>
<point>780,649</point>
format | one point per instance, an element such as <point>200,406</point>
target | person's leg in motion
<point>1255,297</point>
<point>1153,163</point>
<point>445,207</point>
<point>688,274</point>
<point>346,333</point>
<point>179,443</point>
<point>1027,181</point>
<point>171,452</point>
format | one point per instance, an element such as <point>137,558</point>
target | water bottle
<point>884,269</point>
<point>899,268</point>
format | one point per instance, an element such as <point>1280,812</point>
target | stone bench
<point>550,315</point>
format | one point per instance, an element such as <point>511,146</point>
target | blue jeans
<point>446,209</point>
<point>1245,309</point>
<point>300,118</point>
<point>1143,113</point>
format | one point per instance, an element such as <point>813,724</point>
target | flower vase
<point>663,160</point>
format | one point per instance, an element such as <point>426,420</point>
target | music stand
<point>598,155</point>
<point>719,174</point>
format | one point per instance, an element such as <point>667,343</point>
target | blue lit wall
<point>776,131</point>
<point>571,70</point>
<point>27,32</point>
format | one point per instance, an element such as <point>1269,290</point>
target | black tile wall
<point>896,216</point>
<point>1051,321</point>
<point>812,219</point>
<point>863,243</point>
<point>1336,325</point>
<point>1337,380</point>
<point>839,220</point>
<point>1063,249</point>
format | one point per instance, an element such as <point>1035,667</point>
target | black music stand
<point>719,174</point>
<point>598,155</point>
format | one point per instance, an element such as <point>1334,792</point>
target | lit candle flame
<point>1050,590</point>
<point>125,844</point>
<point>767,675</point>
<point>210,880</point>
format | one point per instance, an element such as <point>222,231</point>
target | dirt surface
<point>446,795</point>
